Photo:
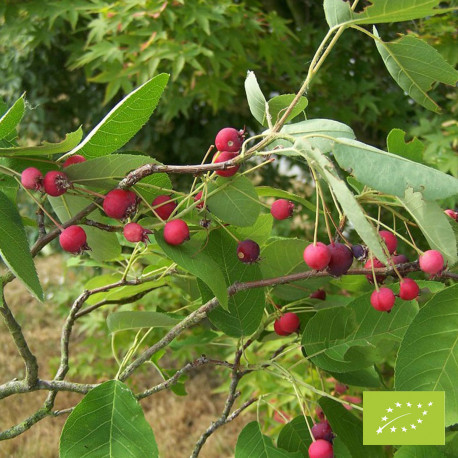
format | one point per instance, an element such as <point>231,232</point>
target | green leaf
<point>351,338</point>
<point>108,422</point>
<point>251,443</point>
<point>14,248</point>
<point>349,429</point>
<point>256,100</point>
<point>71,140</point>
<point>263,191</point>
<point>396,144</point>
<point>295,436</point>
<point>347,200</point>
<point>433,222</point>
<point>428,355</point>
<point>279,104</point>
<point>120,321</point>
<point>124,120</point>
<point>234,201</point>
<point>367,377</point>
<point>12,117</point>
<point>259,232</point>
<point>392,174</point>
<point>420,451</point>
<point>416,66</point>
<point>192,258</point>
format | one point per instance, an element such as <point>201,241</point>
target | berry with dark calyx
<point>56,183</point>
<point>73,239</point>
<point>452,214</point>
<point>163,206</point>
<point>278,329</point>
<point>282,209</point>
<point>229,139</point>
<point>431,262</point>
<point>120,203</point>
<point>376,263</point>
<point>341,259</point>
<point>198,198</point>
<point>32,178</point>
<point>383,299</point>
<point>176,232</point>
<point>408,289</point>
<point>317,256</point>
<point>319,294</point>
<point>322,430</point>
<point>75,159</point>
<point>359,252</point>
<point>223,157</point>
<point>248,251</point>
<point>134,232</point>
<point>399,259</point>
<point>321,449</point>
<point>390,239</point>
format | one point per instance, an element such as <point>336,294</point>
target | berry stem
<point>228,231</point>
<point>373,273</point>
<point>130,262</point>
<point>262,164</point>
<point>88,191</point>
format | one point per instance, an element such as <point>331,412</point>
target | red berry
<point>32,178</point>
<point>223,157</point>
<point>278,329</point>
<point>452,214</point>
<point>163,206</point>
<point>431,262</point>
<point>198,198</point>
<point>341,259</point>
<point>321,449</point>
<point>176,232</point>
<point>248,251</point>
<point>289,322</point>
<point>319,294</point>
<point>322,430</point>
<point>341,388</point>
<point>76,159</point>
<point>282,209</point>
<point>73,239</point>
<point>390,239</point>
<point>377,264</point>
<point>229,139</point>
<point>56,183</point>
<point>120,203</point>
<point>134,232</point>
<point>408,289</point>
<point>317,256</point>
<point>399,259</point>
<point>383,299</point>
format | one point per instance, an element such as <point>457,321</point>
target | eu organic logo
<point>404,418</point>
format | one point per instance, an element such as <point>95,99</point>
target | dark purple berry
<point>323,431</point>
<point>359,252</point>
<point>341,259</point>
<point>248,251</point>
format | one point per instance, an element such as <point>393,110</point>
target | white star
<point>385,418</point>
<point>393,429</point>
<point>379,430</point>
<point>419,421</point>
<point>425,412</point>
<point>409,404</point>
<point>413,426</point>
<point>419,406</point>
<point>404,429</point>
<point>430,404</point>
<point>398,405</point>
<point>389,410</point>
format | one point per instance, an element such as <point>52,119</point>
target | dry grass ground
<point>177,421</point>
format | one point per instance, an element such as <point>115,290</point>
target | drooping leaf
<point>124,120</point>
<point>108,422</point>
<point>416,66</point>
<point>433,222</point>
<point>396,144</point>
<point>295,436</point>
<point>279,104</point>
<point>392,174</point>
<point>120,321</point>
<point>256,100</point>
<point>14,248</point>
<point>12,117</point>
<point>234,201</point>
<point>428,355</point>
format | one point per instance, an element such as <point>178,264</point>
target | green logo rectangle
<point>404,418</point>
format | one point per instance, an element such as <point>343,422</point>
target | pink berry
<point>289,322</point>
<point>229,139</point>
<point>278,329</point>
<point>352,399</point>
<point>321,449</point>
<point>32,178</point>
<point>341,388</point>
<point>56,183</point>
<point>134,232</point>
<point>76,159</point>
<point>377,264</point>
<point>383,299</point>
<point>248,251</point>
<point>319,294</point>
<point>431,262</point>
<point>176,232</point>
<point>390,239</point>
<point>120,203</point>
<point>223,157</point>
<point>399,259</point>
<point>408,289</point>
<point>198,198</point>
<point>317,256</point>
<point>322,430</point>
<point>452,214</point>
<point>73,239</point>
<point>163,206</point>
<point>341,259</point>
<point>282,209</point>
